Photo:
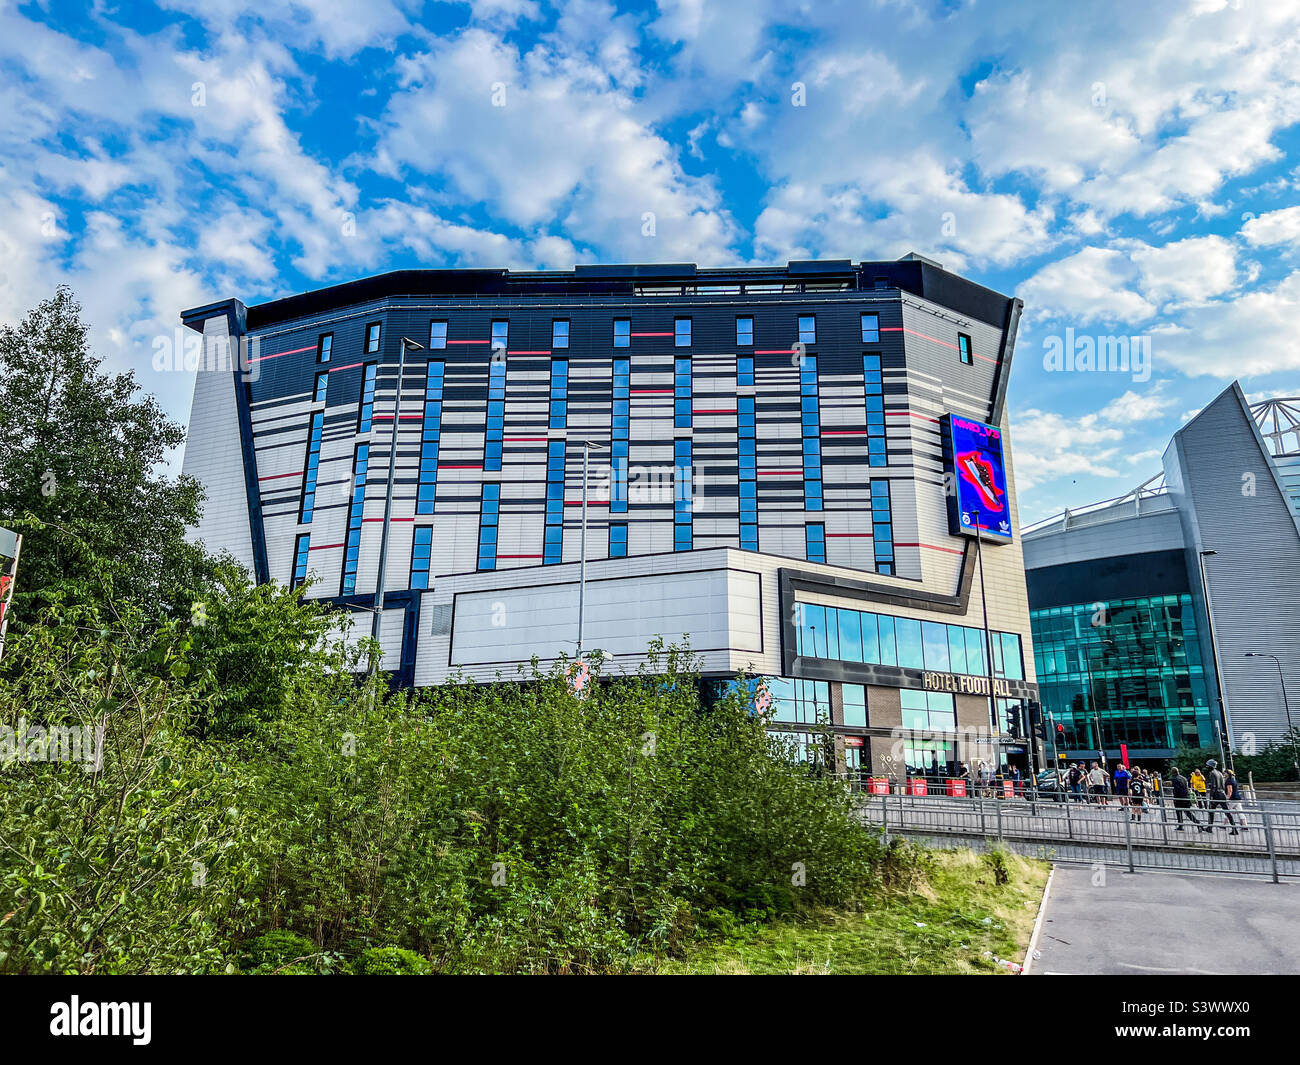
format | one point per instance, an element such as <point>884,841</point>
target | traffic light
<point>1034,715</point>
<point>1013,722</point>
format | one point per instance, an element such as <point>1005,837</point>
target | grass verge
<point>954,918</point>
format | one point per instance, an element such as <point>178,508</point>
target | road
<point>1109,921</point>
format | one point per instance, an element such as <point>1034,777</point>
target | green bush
<point>271,950</point>
<point>391,961</point>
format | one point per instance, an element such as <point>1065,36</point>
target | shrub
<point>391,961</point>
<point>272,950</point>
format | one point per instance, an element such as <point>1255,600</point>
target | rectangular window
<point>559,394</point>
<point>437,334</point>
<point>747,473</point>
<point>322,388</point>
<point>324,347</point>
<point>745,371</point>
<point>807,329</point>
<point>356,509</point>
<point>553,543</point>
<point>812,438</point>
<point>311,467</point>
<point>855,705</point>
<point>560,333</point>
<point>682,488</point>
<point>745,332</point>
<point>488,523</point>
<point>621,428</point>
<point>421,552</point>
<point>372,338</point>
<point>622,332</point>
<point>871,329</point>
<point>496,414</point>
<point>500,334</point>
<point>874,388</point>
<point>618,539</point>
<point>431,432</point>
<point>815,541</point>
<point>964,351</point>
<point>682,393</point>
<point>367,397</point>
<point>882,526</point>
<point>300,549</point>
<point>682,332</point>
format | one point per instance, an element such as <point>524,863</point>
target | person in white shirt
<point>1097,783</point>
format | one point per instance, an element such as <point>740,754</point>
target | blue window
<point>356,508</point>
<point>488,523</point>
<point>682,490</point>
<point>437,334</point>
<point>311,467</point>
<point>621,421</point>
<point>815,537</point>
<point>559,393</point>
<point>882,526</point>
<point>421,552</point>
<point>622,332</point>
<point>682,393</point>
<point>618,539</point>
<point>964,351</point>
<point>367,397</point>
<point>500,334</point>
<point>871,329</point>
<point>322,388</point>
<point>811,421</point>
<point>553,542</point>
<point>748,473</point>
<point>324,347</point>
<point>682,332</point>
<point>372,338</point>
<point>300,548</point>
<point>873,386</point>
<point>744,332</point>
<point>560,333</point>
<point>807,329</point>
<point>430,434</point>
<point>496,414</point>
<point>745,371</point>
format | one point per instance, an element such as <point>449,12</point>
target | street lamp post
<point>1225,748</point>
<point>587,446</point>
<point>376,621</point>
<point>1290,729</point>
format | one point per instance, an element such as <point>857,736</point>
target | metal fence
<point>1266,840</point>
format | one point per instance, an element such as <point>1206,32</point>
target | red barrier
<point>918,786</point>
<point>877,785</point>
<point>1008,789</point>
<point>956,787</point>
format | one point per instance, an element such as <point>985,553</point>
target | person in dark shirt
<point>1182,797</point>
<point>1216,786</point>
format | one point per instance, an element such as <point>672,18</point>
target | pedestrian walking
<point>1236,798</point>
<point>1182,790</point>
<point>1122,780</point>
<point>1138,795</point>
<point>1198,787</point>
<point>1216,786</point>
<point>1075,778</point>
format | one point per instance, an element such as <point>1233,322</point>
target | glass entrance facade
<point>1129,666</point>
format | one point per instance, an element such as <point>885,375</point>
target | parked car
<point>1050,786</point>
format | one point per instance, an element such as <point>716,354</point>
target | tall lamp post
<point>1290,729</point>
<point>1225,747</point>
<point>376,621</point>
<point>587,447</point>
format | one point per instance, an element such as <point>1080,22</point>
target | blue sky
<point>1128,169</point>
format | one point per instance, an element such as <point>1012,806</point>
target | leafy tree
<point>80,451</point>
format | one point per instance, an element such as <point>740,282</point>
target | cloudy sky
<point>1129,169</point>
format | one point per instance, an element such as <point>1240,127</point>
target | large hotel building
<point>783,466</point>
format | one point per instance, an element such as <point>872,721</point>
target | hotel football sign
<point>965,684</point>
<point>976,479</point>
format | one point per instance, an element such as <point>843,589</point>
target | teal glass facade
<point>1134,667</point>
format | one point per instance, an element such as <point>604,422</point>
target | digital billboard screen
<point>976,478</point>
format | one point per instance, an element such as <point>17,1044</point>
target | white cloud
<point>1091,285</point>
<point>1047,445</point>
<point>1273,228</point>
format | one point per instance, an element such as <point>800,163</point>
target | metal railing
<point>1259,840</point>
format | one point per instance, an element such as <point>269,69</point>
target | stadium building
<point>782,465</point>
<point>1128,648</point>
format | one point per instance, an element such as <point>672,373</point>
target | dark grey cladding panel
<point>1103,579</point>
<point>883,676</point>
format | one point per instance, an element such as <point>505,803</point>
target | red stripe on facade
<point>322,547</point>
<point>910,414</point>
<point>936,340</point>
<point>469,342</point>
<point>547,352</point>
<point>525,439</point>
<point>518,556</point>
<point>651,334</point>
<point>390,519</point>
<point>449,466</point>
<point>844,432</point>
<point>933,547</point>
<point>389,417</point>
<point>652,391</point>
<point>277,476</point>
<point>700,410</point>
<point>349,366</point>
<point>842,535</point>
<point>778,351</point>
<point>780,473</point>
<point>295,351</point>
